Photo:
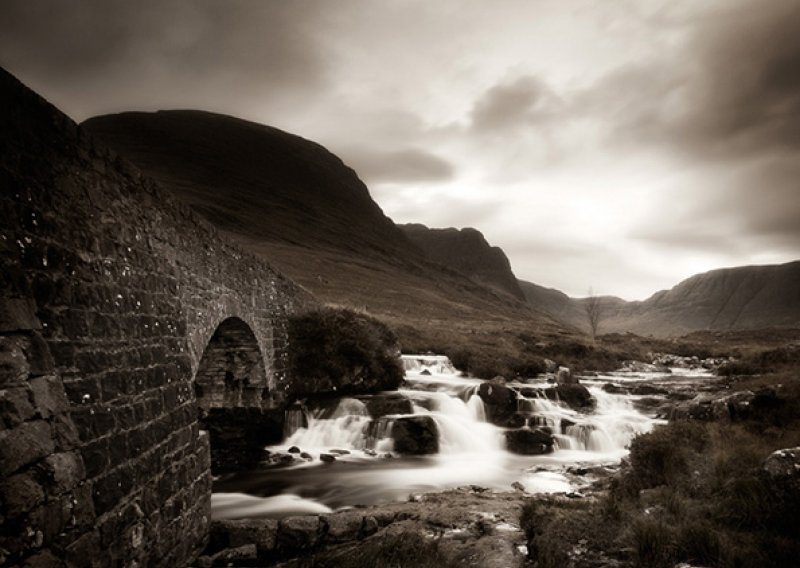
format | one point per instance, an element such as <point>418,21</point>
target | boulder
<point>328,458</point>
<point>529,442</point>
<point>564,377</point>
<point>781,471</point>
<point>382,405</point>
<point>614,389</point>
<point>415,435</point>
<point>499,401</point>
<point>706,407</point>
<point>576,397</point>
<point>237,533</point>
<point>648,390</point>
<point>343,527</point>
<point>299,534</point>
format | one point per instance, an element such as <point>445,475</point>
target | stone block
<point>24,444</point>
<point>15,406</point>
<point>49,396</point>
<point>14,368</point>
<point>18,314</point>
<point>20,493</point>
<point>64,470</point>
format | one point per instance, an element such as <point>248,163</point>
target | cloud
<point>731,90</point>
<point>109,55</point>
<point>410,165</point>
<point>511,104</point>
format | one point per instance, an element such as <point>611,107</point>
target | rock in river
<point>415,435</point>
<point>529,442</point>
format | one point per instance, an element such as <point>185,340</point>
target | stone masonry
<point>113,298</point>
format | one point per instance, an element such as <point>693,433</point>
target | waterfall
<point>471,450</point>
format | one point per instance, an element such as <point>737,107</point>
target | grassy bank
<point>690,492</point>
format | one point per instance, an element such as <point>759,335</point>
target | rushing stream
<point>472,451</point>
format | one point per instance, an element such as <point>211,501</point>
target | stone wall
<point>111,292</point>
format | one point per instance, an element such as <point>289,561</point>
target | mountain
<point>299,206</point>
<point>253,180</point>
<point>745,297</point>
<point>467,251</point>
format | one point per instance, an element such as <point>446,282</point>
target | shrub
<point>652,543</point>
<point>662,456</point>
<point>342,351</point>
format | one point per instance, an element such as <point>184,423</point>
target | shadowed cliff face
<point>253,180</point>
<point>467,251</point>
<point>746,297</point>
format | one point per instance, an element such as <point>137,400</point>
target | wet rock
<point>529,442</point>
<point>517,486</point>
<point>499,401</point>
<point>614,389</point>
<point>565,424</point>
<point>339,452</point>
<point>415,435</point>
<point>382,405</point>
<point>306,456</point>
<point>328,458</point>
<point>550,366</point>
<point>576,397</point>
<point>294,450</point>
<point>425,372</point>
<point>648,390</point>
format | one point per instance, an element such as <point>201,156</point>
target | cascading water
<point>471,449</point>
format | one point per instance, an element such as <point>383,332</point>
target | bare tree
<point>594,312</point>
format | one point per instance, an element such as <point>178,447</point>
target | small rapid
<point>342,453</point>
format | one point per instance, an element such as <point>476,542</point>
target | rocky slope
<point>745,297</point>
<point>467,251</point>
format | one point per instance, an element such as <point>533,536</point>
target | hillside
<point>253,180</point>
<point>745,297</point>
<point>299,206</point>
<point>467,251</point>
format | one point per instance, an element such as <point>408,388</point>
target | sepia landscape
<point>400,284</point>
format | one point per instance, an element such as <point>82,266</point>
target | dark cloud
<point>732,91</point>
<point>103,55</point>
<point>410,165</point>
<point>511,104</point>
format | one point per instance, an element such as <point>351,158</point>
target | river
<point>471,450</point>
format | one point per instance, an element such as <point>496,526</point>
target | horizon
<point>620,147</point>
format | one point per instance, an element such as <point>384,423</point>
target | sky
<point>618,145</point>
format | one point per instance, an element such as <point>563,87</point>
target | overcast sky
<point>620,145</point>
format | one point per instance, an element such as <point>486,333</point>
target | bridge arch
<point>232,370</point>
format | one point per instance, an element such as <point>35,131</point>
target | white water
<point>471,450</point>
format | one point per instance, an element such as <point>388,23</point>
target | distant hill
<point>467,251</point>
<point>745,297</point>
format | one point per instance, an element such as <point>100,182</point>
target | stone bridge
<point>123,318</point>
